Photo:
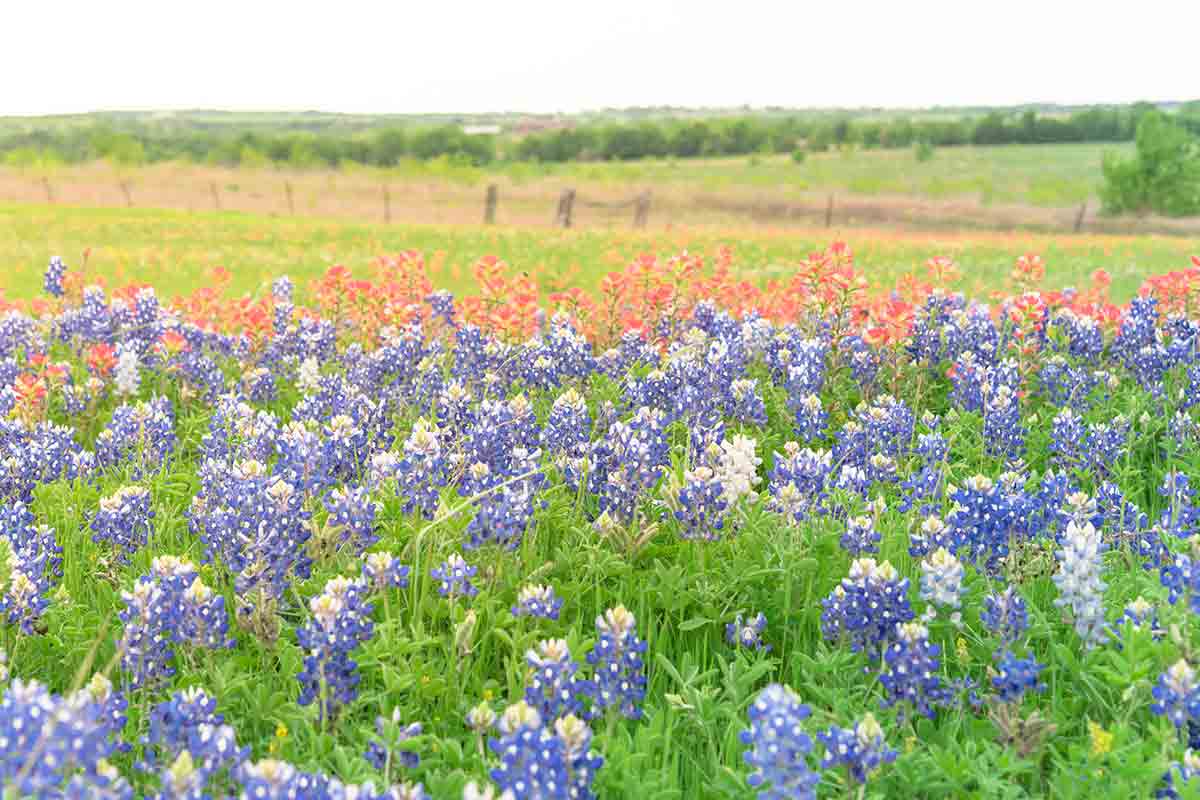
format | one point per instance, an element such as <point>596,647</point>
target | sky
<point>530,55</point>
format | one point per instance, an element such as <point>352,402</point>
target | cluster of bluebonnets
<point>446,418</point>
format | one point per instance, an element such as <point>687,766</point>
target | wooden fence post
<point>641,209</point>
<point>287,188</point>
<point>216,195</point>
<point>1079,217</point>
<point>489,204</point>
<point>566,204</point>
<point>49,189</point>
<point>387,204</point>
<point>125,191</point>
<point>829,212</point>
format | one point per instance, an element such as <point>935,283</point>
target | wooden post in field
<point>489,204</point>
<point>641,209</point>
<point>49,189</point>
<point>829,212</point>
<point>1079,217</point>
<point>566,204</point>
<point>287,188</point>
<point>216,195</point>
<point>387,204</point>
<point>125,191</point>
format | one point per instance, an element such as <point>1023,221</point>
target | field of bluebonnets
<point>680,536</point>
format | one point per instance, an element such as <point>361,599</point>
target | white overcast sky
<point>530,55</point>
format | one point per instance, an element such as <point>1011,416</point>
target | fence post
<point>215,195</point>
<point>287,188</point>
<point>829,212</point>
<point>125,191</point>
<point>1079,217</point>
<point>49,189</point>
<point>387,204</point>
<point>489,204</point>
<point>641,209</point>
<point>566,204</point>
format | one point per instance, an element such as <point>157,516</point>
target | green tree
<point>1163,175</point>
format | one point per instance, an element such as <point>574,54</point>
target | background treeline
<point>139,140</point>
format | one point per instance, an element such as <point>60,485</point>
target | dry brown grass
<point>359,195</point>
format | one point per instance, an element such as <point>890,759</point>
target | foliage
<point>685,601</point>
<point>1163,175</point>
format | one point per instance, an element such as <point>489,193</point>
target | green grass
<point>175,250</point>
<point>683,593</point>
<point>1052,175</point>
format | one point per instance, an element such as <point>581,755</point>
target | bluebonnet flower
<point>1015,676</point>
<point>1107,443</point>
<point>745,404</point>
<point>1138,613</point>
<point>981,523</point>
<point>798,482</point>
<point>1078,580</point>
<point>270,779</point>
<point>942,579</point>
<point>384,571</point>
<point>539,761</point>
<point>237,431</point>
<point>352,518</point>
<point>341,621</point>
<point>569,425</point>
<point>1068,443</point>
<point>256,524</point>
<point>1005,615</point>
<point>1179,774</point>
<point>552,688</point>
<point>860,537</point>
<point>56,746</point>
<point>168,606</point>
<point>422,471</point>
<point>260,385</point>
<point>629,461</point>
<point>700,505</point>
<point>188,723</point>
<point>31,560</point>
<point>748,633</point>
<point>537,600</point>
<point>53,280</point>
<point>1177,694</point>
<point>1002,429</point>
<point>123,519</point>
<point>861,749</point>
<point>910,670</point>
<point>504,514</point>
<point>454,577</point>
<point>112,705</point>
<point>384,752</point>
<point>866,606</point>
<point>779,746</point>
<point>141,435</point>
<point>811,418</point>
<point>619,682</point>
<point>282,289</point>
<point>932,535</point>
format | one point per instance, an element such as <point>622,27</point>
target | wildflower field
<point>723,523</point>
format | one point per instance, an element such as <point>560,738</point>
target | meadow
<point>297,507</point>
<point>177,251</point>
<point>1015,188</point>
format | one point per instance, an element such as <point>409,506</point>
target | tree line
<point>605,141</point>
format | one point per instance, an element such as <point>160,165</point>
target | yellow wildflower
<point>1102,740</point>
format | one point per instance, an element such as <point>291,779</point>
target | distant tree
<point>1163,175</point>
<point>690,139</point>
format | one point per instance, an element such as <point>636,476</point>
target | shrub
<point>1162,176</point>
